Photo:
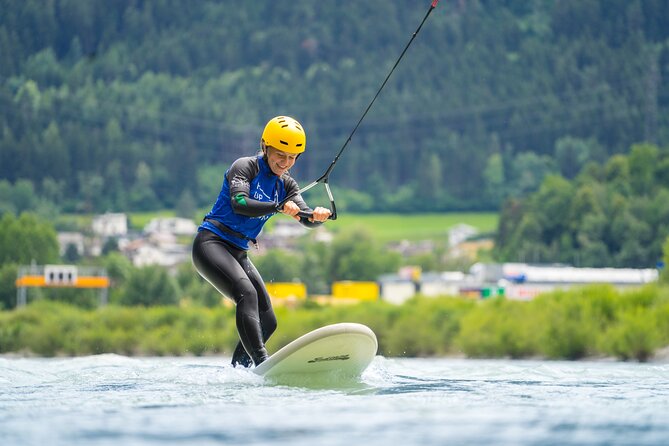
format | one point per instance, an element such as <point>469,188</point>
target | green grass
<point>414,227</point>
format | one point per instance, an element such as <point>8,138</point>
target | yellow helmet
<point>286,134</point>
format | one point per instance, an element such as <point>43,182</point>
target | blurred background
<point>512,131</point>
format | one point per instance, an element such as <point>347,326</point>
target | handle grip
<point>306,214</point>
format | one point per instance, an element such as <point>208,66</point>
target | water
<point>112,400</point>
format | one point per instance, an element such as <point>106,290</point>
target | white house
<point>67,239</point>
<point>110,224</point>
<point>288,229</point>
<point>171,225</point>
<point>525,281</point>
<point>459,233</point>
<point>143,252</point>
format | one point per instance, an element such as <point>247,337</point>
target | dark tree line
<point>139,105</point>
<point>616,214</point>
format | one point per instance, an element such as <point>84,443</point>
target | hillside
<point>140,105</point>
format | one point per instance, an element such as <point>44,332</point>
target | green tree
<point>664,272</point>
<point>44,68</point>
<point>617,174</point>
<point>90,189</point>
<point>26,239</point>
<point>55,157</point>
<point>430,182</point>
<point>662,173</point>
<point>6,200</point>
<point>24,196</point>
<point>29,96</point>
<point>209,182</point>
<point>142,195</point>
<point>528,172</point>
<point>355,255</point>
<point>71,253</point>
<point>119,268</point>
<point>278,265</point>
<point>510,216</point>
<point>315,265</point>
<point>148,286</point>
<point>643,160</point>
<point>8,274</point>
<point>196,289</point>
<point>550,205</point>
<point>495,181</point>
<point>186,206</point>
<point>53,191</point>
<point>110,245</point>
<point>590,237</point>
<point>571,154</point>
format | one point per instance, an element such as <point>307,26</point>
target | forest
<point>135,105</point>
<point>526,107</point>
<point>614,215</point>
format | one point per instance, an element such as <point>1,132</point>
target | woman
<point>252,189</point>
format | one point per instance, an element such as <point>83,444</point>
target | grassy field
<point>414,227</point>
<point>385,227</point>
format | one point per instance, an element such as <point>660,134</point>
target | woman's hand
<point>320,214</point>
<point>291,209</point>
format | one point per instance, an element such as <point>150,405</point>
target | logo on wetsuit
<point>260,195</point>
<point>329,358</point>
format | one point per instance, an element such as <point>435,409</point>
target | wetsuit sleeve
<point>240,175</point>
<point>291,188</point>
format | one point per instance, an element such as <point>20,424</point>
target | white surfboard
<point>341,351</point>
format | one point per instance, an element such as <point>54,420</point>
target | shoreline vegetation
<point>593,322</point>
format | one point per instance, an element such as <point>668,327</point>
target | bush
<point>634,336</point>
<point>561,325</point>
<point>570,321</point>
<point>498,328</point>
<point>151,285</point>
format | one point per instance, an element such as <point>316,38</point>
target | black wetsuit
<point>248,198</point>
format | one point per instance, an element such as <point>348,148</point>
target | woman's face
<point>279,161</point>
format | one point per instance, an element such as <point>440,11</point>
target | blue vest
<point>266,186</point>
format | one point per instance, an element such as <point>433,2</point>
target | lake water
<point>115,400</point>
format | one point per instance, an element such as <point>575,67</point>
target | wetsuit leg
<point>268,321</point>
<point>267,317</point>
<point>220,264</point>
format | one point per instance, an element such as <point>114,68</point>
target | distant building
<point>446,283</point>
<point>110,225</point>
<point>67,239</point>
<point>395,289</point>
<point>410,249</point>
<point>288,228</point>
<point>160,250</point>
<point>171,225</point>
<point>522,273</point>
<point>512,280</point>
<point>459,233</point>
<point>524,281</point>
